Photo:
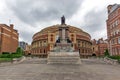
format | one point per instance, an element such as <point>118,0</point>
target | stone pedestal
<point>63,58</point>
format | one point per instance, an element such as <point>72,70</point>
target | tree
<point>19,50</point>
<point>106,53</point>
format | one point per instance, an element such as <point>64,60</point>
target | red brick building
<point>94,48</point>
<point>27,50</point>
<point>8,38</point>
<point>113,28</point>
<point>99,47</point>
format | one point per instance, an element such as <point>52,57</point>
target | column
<point>60,33</point>
<point>63,34</point>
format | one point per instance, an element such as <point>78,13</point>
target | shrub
<point>16,55</point>
<point>115,57</point>
<point>5,53</point>
<point>5,59</point>
<point>13,53</point>
<point>5,56</point>
<point>19,50</point>
<point>106,53</point>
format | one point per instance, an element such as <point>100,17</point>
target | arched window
<point>44,51</point>
<point>40,50</point>
<point>93,48</point>
<point>86,51</point>
<point>72,35</point>
<point>82,44</point>
<point>44,43</point>
<point>51,39</point>
<point>72,39</point>
<point>40,44</point>
<point>82,50</point>
<point>79,50</point>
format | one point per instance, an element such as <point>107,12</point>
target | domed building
<point>44,40</point>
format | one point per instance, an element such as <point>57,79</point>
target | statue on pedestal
<point>63,20</point>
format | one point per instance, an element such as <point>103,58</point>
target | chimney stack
<point>109,8</point>
<point>11,26</point>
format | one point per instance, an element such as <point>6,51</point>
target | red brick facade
<point>8,38</point>
<point>113,29</point>
<point>99,47</point>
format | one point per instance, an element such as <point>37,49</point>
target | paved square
<point>37,69</point>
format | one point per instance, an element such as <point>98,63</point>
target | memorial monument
<point>63,51</point>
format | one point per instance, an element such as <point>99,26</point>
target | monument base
<point>63,58</point>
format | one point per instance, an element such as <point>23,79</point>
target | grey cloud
<point>34,11</point>
<point>95,21</point>
<point>26,36</point>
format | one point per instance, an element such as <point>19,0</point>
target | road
<point>37,69</point>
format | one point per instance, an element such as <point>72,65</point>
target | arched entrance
<point>94,55</point>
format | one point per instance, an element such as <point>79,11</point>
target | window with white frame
<point>116,23</point>
<point>119,40</point>
<point>113,25</point>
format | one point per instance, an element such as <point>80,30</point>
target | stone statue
<point>63,20</point>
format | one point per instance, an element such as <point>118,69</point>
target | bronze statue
<point>63,20</point>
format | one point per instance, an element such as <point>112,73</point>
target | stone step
<point>61,59</point>
<point>64,60</point>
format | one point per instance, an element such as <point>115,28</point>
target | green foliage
<point>5,59</point>
<point>19,50</point>
<point>6,56</point>
<point>115,57</point>
<point>5,53</point>
<point>16,55</point>
<point>106,53</point>
<point>118,60</point>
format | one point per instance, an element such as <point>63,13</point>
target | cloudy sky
<point>30,16</point>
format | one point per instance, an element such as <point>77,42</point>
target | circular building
<point>44,41</point>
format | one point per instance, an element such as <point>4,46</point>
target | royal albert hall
<point>44,40</point>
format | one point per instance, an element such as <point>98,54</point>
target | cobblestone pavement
<point>37,69</point>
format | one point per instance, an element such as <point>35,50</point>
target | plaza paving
<point>37,69</point>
